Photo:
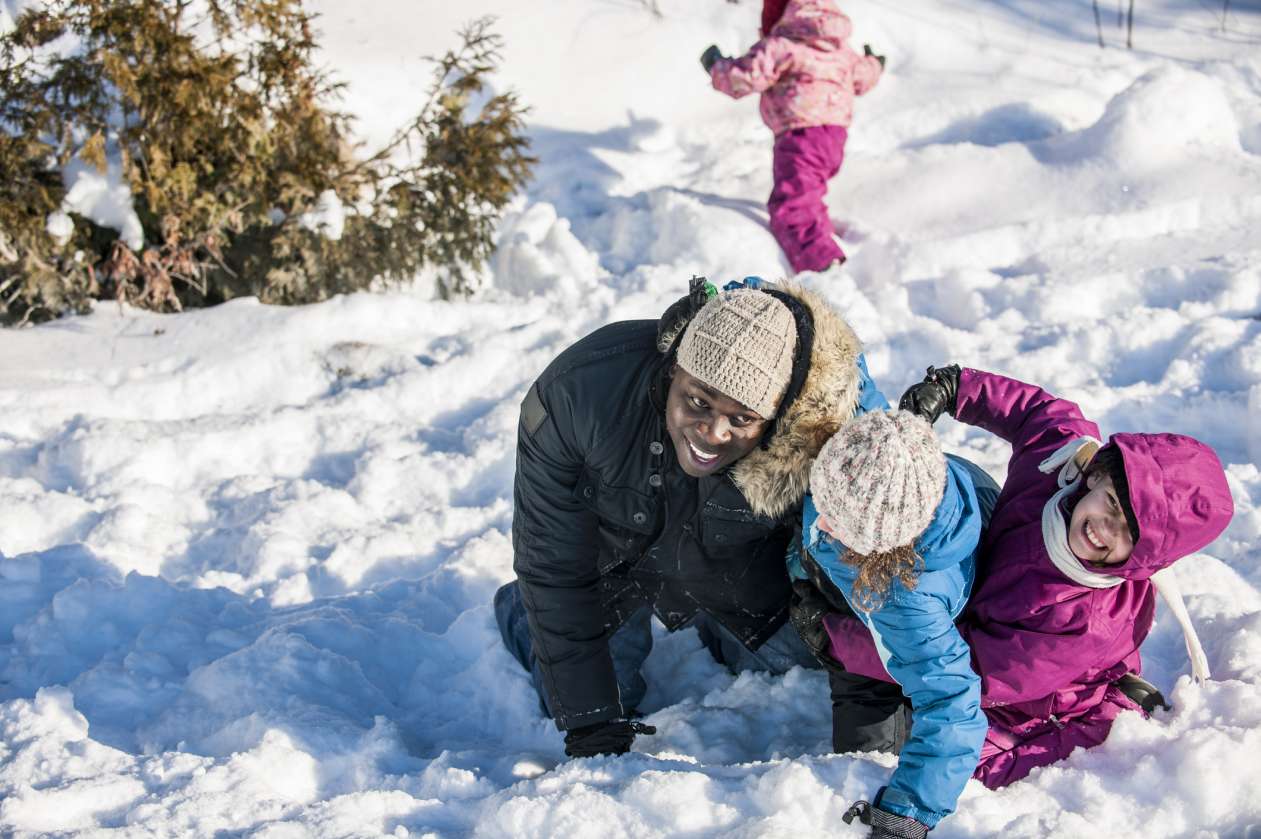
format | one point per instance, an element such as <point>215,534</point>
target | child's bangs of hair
<point>1110,462</point>
<point>877,571</point>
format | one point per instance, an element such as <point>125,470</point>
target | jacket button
<point>655,447</point>
<point>720,537</point>
<point>639,518</point>
<point>654,480</point>
<point>587,492</point>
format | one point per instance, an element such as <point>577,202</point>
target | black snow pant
<point>868,715</point>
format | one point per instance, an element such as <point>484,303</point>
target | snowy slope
<point>247,554</point>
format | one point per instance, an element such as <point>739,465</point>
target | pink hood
<point>1179,494</point>
<point>817,24</point>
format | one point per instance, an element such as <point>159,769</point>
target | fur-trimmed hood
<point>775,479</point>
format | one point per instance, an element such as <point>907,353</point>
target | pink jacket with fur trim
<point>805,71</point>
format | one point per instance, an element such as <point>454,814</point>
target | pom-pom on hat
<point>879,480</point>
<point>741,344</point>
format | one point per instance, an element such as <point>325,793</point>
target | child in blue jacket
<point>890,533</point>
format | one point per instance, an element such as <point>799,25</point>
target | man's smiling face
<point>710,431</point>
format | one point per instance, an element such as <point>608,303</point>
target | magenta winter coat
<point>1047,649</point>
<point>805,71</point>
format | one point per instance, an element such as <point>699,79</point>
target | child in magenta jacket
<point>1070,565</point>
<point>808,77</point>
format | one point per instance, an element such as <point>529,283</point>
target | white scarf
<point>1055,536</point>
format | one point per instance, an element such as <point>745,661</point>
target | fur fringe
<point>775,480</point>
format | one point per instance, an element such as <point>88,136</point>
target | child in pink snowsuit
<point>808,77</point>
<point>1070,566</point>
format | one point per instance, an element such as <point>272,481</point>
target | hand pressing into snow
<point>613,737</point>
<point>885,825</point>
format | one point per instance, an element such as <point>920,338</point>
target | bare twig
<point>1098,23</point>
<point>1129,28</point>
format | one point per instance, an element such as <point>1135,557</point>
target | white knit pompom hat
<point>741,344</point>
<point>879,480</point>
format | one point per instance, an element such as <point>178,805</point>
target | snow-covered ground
<point>248,552</point>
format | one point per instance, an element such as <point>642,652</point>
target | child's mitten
<point>806,608</point>
<point>710,55</point>
<point>885,825</point>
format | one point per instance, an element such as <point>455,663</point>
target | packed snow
<point>247,553</point>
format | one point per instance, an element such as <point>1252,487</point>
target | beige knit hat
<point>741,344</point>
<point>879,480</point>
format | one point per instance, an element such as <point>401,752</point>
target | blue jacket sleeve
<point>869,396</point>
<point>925,653</point>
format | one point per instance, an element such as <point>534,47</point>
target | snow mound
<point>1156,122</point>
<point>536,253</point>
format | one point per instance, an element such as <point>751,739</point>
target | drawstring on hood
<point>1071,459</point>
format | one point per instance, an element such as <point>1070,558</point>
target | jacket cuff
<point>566,722</point>
<point>903,804</point>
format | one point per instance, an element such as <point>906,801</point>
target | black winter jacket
<point>606,520</point>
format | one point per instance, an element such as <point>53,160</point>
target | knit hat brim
<point>741,344</point>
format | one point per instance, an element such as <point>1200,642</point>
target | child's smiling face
<point>1097,530</point>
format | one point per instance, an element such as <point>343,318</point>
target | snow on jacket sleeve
<point>555,545</point>
<point>1035,422</point>
<point>753,72</point>
<point>928,657</point>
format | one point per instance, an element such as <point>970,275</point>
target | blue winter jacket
<point>914,633</point>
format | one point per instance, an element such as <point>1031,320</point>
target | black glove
<point>806,608</point>
<point>867,51</point>
<point>938,393</point>
<point>710,55</point>
<point>885,825</point>
<point>613,737</point>
<point>1148,697</point>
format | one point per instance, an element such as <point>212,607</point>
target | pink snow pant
<point>805,158</point>
<point>1016,743</point>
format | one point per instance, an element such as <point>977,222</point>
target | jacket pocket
<point>726,529</point>
<point>627,519</point>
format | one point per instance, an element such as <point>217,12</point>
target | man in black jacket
<point>660,469</point>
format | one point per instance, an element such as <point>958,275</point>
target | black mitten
<point>709,56</point>
<point>937,394</point>
<point>867,51</point>
<point>613,737</point>
<point>885,825</point>
<point>806,608</point>
<point>1148,697</point>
